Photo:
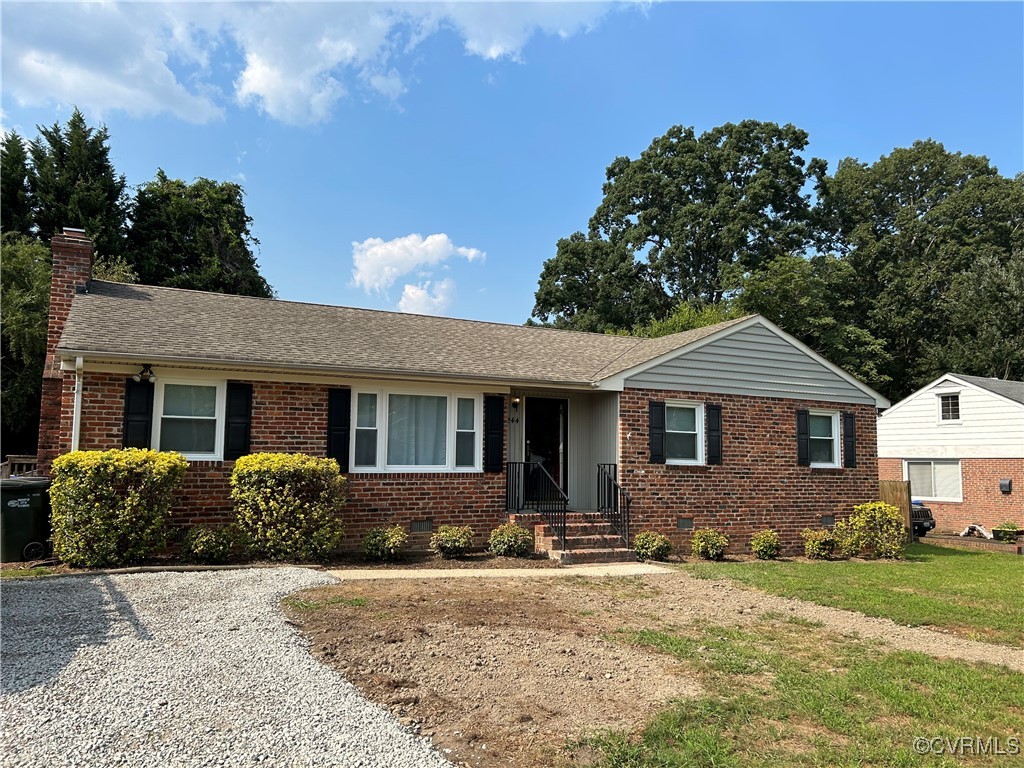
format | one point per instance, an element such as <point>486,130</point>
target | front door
<point>546,431</point>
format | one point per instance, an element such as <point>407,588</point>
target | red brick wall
<point>983,503</point>
<point>759,484</point>
<point>290,418</point>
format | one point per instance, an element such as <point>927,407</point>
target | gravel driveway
<point>180,669</point>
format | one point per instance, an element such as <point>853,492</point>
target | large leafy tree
<point>595,285</point>
<point>25,297</point>
<point>817,300</point>
<point>73,183</point>
<point>934,240</point>
<point>696,212</point>
<point>194,236</point>
<point>15,192</point>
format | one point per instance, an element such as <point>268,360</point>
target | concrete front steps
<point>588,539</point>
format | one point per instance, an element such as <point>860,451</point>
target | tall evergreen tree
<point>15,192</point>
<point>74,184</point>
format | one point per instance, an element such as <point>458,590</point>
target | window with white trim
<point>823,438</point>
<point>417,431</point>
<point>189,418</point>
<point>365,449</point>
<point>684,433</point>
<point>949,407</point>
<point>934,480</point>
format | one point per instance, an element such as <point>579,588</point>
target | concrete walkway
<point>606,569</point>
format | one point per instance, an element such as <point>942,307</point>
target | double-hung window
<point>823,438</point>
<point>684,433</point>
<point>404,431</point>
<point>189,418</point>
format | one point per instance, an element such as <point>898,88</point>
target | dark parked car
<point>921,519</point>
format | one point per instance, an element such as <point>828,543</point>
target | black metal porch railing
<point>612,501</point>
<point>529,486</point>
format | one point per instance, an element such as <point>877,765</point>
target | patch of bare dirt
<point>431,560</point>
<point>505,672</point>
<point>497,673</point>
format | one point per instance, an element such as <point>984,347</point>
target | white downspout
<point>76,418</point>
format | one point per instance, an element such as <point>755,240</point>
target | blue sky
<point>428,157</point>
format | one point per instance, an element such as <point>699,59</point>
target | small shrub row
<point>709,544</point>
<point>451,541</point>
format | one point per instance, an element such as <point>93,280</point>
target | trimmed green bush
<point>110,508</point>
<point>709,544</point>
<point>875,528</point>
<point>649,545</point>
<point>385,542</point>
<point>819,543</point>
<point>210,545</point>
<point>452,541</point>
<point>766,544</point>
<point>287,504</point>
<point>511,540</point>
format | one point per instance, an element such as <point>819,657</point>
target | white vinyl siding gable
<point>752,361</point>
<point>989,426</point>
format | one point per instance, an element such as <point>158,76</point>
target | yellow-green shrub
<point>819,543</point>
<point>709,544</point>
<point>875,528</point>
<point>110,507</point>
<point>650,545</point>
<point>765,544</point>
<point>385,542</point>
<point>452,540</point>
<point>287,504</point>
<point>511,540</point>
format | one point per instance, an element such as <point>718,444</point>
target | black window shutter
<point>138,414</point>
<point>850,440</point>
<point>494,433</point>
<point>237,420</point>
<point>803,438</point>
<point>339,425</point>
<point>656,431</point>
<point>713,414</point>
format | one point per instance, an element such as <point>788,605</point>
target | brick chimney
<point>72,269</point>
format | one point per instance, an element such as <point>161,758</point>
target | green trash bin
<point>24,518</point>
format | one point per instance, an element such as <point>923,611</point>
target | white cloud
<point>377,263</point>
<point>429,298</point>
<point>298,60</point>
<point>99,56</point>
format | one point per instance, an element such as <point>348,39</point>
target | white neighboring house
<point>960,443</point>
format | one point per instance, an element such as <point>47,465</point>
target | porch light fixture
<point>513,417</point>
<point>146,374</point>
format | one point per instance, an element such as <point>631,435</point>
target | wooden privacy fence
<point>897,493</point>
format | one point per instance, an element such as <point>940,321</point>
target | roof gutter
<point>315,369</point>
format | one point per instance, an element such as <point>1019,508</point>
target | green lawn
<point>979,595</point>
<point>786,694</point>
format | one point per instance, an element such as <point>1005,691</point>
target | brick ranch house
<point>960,443</point>
<point>736,426</point>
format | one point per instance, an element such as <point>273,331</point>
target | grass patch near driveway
<point>973,594</point>
<point>780,695</point>
<point>24,573</point>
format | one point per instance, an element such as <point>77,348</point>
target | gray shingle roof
<point>148,325</point>
<point>1013,390</point>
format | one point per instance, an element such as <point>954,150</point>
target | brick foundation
<point>983,503</point>
<point>759,484</point>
